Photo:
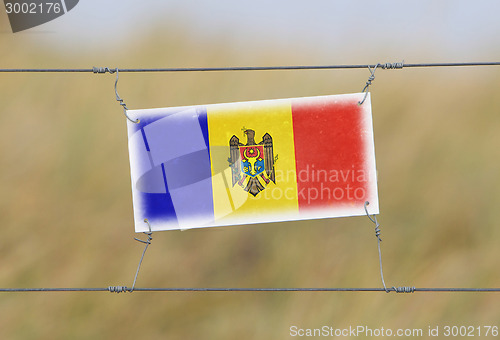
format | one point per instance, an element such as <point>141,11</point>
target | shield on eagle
<point>252,164</point>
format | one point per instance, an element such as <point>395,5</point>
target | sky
<point>424,30</point>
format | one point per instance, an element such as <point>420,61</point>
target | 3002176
<point>462,331</point>
<point>32,8</point>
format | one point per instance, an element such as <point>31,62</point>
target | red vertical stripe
<point>330,153</point>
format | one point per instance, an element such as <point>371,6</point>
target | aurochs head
<point>253,163</point>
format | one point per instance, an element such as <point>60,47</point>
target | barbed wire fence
<point>371,67</point>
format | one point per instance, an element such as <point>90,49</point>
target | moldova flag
<point>252,162</point>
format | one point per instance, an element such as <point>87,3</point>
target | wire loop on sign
<point>385,66</point>
<point>368,82</point>
<point>377,234</point>
<point>374,220</point>
<point>102,70</point>
<point>121,289</point>
<point>147,243</point>
<point>118,99</point>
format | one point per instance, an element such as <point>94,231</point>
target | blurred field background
<point>66,208</point>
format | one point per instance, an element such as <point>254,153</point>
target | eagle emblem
<point>252,164</point>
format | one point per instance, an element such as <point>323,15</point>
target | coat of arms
<point>252,164</point>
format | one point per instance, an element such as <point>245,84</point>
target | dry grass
<point>66,211</point>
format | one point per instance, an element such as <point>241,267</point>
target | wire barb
<point>392,66</point>
<point>404,289</point>
<point>118,289</point>
<point>102,70</point>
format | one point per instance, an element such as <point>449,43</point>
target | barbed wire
<point>397,65</point>
<point>121,289</point>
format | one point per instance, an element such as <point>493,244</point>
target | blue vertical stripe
<point>203,119</point>
<point>164,177</point>
<point>145,140</point>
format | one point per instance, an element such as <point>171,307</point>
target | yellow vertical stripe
<point>232,204</point>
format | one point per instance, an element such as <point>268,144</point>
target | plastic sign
<point>252,162</point>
